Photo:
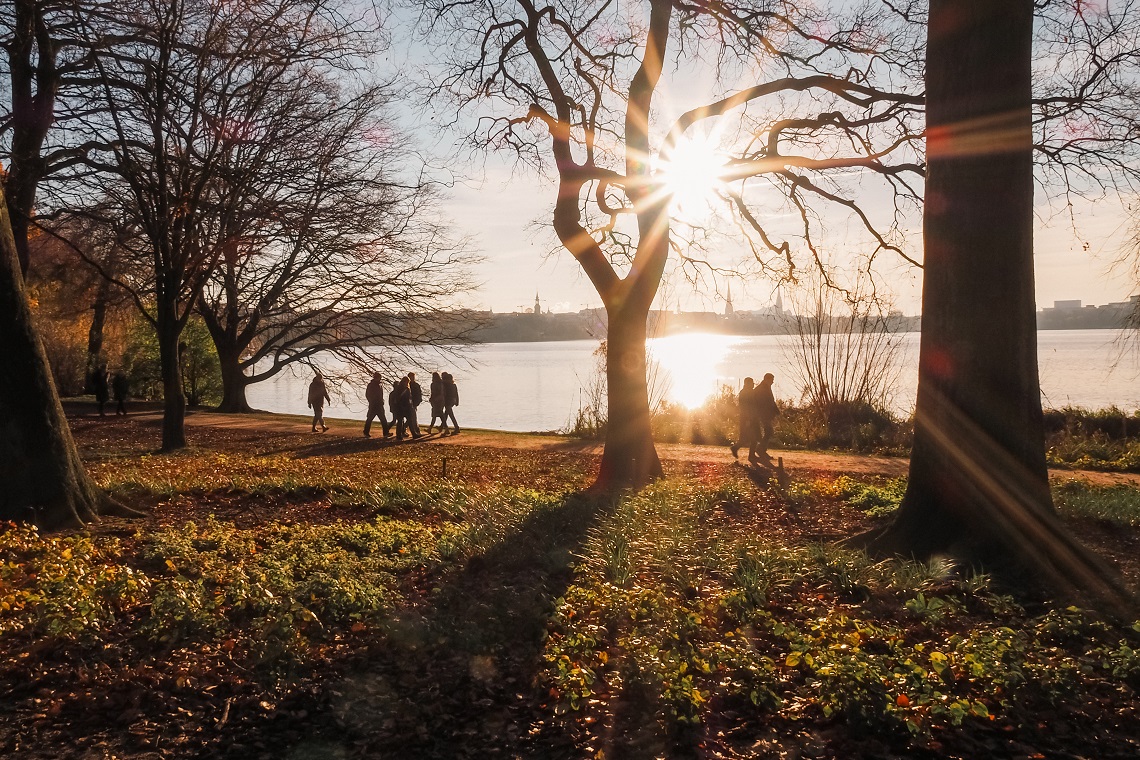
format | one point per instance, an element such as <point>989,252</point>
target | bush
<point>1104,439</point>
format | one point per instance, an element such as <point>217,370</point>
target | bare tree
<point>575,86</point>
<point>978,486</point>
<point>176,86</point>
<point>843,351</point>
<point>328,241</point>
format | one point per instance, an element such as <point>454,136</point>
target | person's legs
<point>765,436</point>
<point>368,422</point>
<point>413,424</point>
<point>449,411</point>
<point>121,407</point>
<point>316,417</point>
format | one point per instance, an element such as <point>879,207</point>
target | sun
<point>691,175</point>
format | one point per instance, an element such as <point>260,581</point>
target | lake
<point>538,386</point>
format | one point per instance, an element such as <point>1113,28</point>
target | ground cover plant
<point>315,597</point>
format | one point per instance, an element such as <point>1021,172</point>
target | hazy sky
<point>507,212</point>
<point>504,213</point>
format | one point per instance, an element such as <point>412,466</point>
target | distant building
<point>537,304</point>
<point>1065,305</point>
<point>728,312</point>
<point>1071,315</point>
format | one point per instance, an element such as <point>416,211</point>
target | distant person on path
<point>374,393</point>
<point>417,398</point>
<point>318,397</point>
<point>121,388</point>
<point>435,400</point>
<point>99,387</point>
<point>766,413</point>
<point>450,401</point>
<point>746,412</point>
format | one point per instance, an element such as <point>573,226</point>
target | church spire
<point>728,311</point>
<point>537,304</point>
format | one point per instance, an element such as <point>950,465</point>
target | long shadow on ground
<point>454,675</point>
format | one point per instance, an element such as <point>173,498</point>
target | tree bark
<point>34,81</point>
<point>629,459</point>
<point>234,383</point>
<point>174,402</point>
<point>978,486</point>
<point>95,334</point>
<point>44,479</point>
<point>229,347</point>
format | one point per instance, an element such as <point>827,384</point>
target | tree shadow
<point>339,446</point>
<point>454,673</point>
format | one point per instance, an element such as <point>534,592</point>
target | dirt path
<point>795,461</point>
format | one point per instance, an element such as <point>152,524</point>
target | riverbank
<point>346,435</point>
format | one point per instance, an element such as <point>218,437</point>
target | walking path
<point>799,461</point>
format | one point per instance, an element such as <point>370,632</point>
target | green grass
<point>694,611</point>
<point>1118,505</point>
<point>676,602</point>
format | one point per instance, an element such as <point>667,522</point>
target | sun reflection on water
<point>689,364</point>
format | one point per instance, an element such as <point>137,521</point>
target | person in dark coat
<point>99,386</point>
<point>450,401</point>
<point>394,408</point>
<point>416,397</point>
<point>435,400</point>
<point>746,411</point>
<point>374,394</point>
<point>766,413</point>
<point>318,397</point>
<point>120,387</point>
<point>400,402</point>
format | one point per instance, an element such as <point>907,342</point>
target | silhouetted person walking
<point>400,402</point>
<point>99,386</point>
<point>746,412</point>
<point>374,394</point>
<point>416,397</point>
<point>435,400</point>
<point>450,401</point>
<point>766,413</point>
<point>121,388</point>
<point>318,397</point>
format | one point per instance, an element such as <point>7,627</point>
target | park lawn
<point>299,597</point>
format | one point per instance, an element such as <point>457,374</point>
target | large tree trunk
<point>234,383</point>
<point>629,458</point>
<point>234,380</point>
<point>33,82</point>
<point>43,478</point>
<point>174,402</point>
<point>95,357</point>
<point>978,486</point>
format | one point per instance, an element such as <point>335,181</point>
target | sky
<point>507,212</point>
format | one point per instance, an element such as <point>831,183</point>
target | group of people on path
<point>403,401</point>
<point>103,386</point>
<point>758,411</point>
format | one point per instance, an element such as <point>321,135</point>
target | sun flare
<point>691,365</point>
<point>692,175</point>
